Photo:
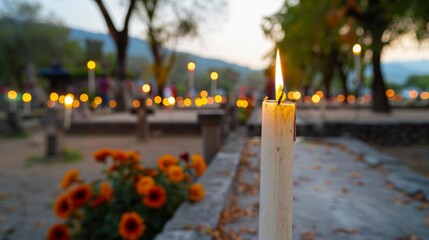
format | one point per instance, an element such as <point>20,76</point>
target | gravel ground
<point>27,191</point>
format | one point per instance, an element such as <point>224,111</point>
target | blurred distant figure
<point>104,89</point>
<point>270,86</point>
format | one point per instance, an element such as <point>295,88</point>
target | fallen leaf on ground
<point>319,189</point>
<point>333,169</point>
<point>348,231</point>
<point>360,183</point>
<point>355,175</point>
<point>307,236</point>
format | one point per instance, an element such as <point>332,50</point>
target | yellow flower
<point>144,184</point>
<point>72,176</point>
<point>131,226</point>
<point>63,206</point>
<point>165,161</point>
<point>175,174</point>
<point>198,164</point>
<point>196,192</point>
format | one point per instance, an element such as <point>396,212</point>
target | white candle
<point>277,157</point>
<point>68,106</point>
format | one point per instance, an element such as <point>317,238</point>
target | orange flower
<point>59,232</point>
<point>155,197</point>
<point>175,174</point>
<point>101,155</point>
<point>63,206</point>
<point>133,156</point>
<point>139,167</point>
<point>106,191</point>
<point>196,192</point>
<point>144,184</point>
<point>165,161</point>
<point>198,164</point>
<point>119,155</point>
<point>131,226</point>
<point>80,195</point>
<point>69,178</point>
<point>187,178</point>
<point>151,172</point>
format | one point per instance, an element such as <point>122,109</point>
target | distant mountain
<point>139,48</point>
<point>399,72</point>
<point>395,72</point>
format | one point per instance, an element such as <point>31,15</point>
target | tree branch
<point>128,16</point>
<point>108,19</point>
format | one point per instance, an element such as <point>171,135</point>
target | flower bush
<point>130,201</point>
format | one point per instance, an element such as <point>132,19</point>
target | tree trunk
<point>121,96</point>
<point>343,78</point>
<point>379,98</point>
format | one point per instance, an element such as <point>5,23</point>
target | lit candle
<point>277,157</point>
<point>12,95</point>
<point>26,98</point>
<point>68,108</point>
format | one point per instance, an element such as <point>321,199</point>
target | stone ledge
<point>403,178</point>
<point>217,182</point>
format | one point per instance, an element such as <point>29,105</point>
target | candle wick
<point>280,98</point>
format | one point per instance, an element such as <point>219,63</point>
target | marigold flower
<point>131,226</point>
<point>184,156</point>
<point>165,161</point>
<point>198,164</point>
<point>97,201</point>
<point>187,178</point>
<point>72,176</point>
<point>106,191</point>
<point>151,172</point>
<point>63,206</point>
<point>80,195</point>
<point>101,155</point>
<point>196,192</point>
<point>144,184</point>
<point>133,156</point>
<point>59,232</point>
<point>155,197</point>
<point>119,155</point>
<point>175,174</point>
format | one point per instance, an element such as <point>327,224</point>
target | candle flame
<point>279,77</point>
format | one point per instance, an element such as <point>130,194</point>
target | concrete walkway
<point>336,196</point>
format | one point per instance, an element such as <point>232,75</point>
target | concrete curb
<point>403,178</point>
<point>217,182</point>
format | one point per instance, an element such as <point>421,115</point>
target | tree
<point>120,37</point>
<point>26,38</point>
<point>383,21</point>
<point>166,23</point>
<point>310,44</point>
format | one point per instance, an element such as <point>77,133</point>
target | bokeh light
<point>12,94</point>
<point>187,102</point>
<point>98,100</point>
<point>91,65</point>
<point>218,99</point>
<point>315,98</point>
<point>413,94</point>
<point>26,97</point>
<point>390,93</point>
<point>136,103</point>
<point>113,103</point>
<point>204,93</point>
<point>157,99</point>
<point>149,102</point>
<point>146,88</point>
<point>53,96</point>
<point>296,95</point>
<point>84,97</point>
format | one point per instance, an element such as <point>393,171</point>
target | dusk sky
<point>237,38</point>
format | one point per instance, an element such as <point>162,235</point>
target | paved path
<point>336,196</point>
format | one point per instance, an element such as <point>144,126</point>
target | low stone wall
<point>382,133</point>
<point>385,133</point>
<point>217,182</point>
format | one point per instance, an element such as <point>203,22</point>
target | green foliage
<point>418,81</point>
<point>29,40</point>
